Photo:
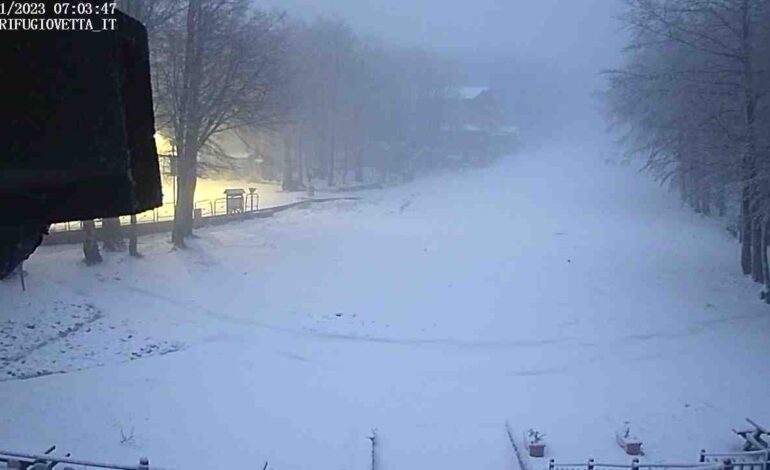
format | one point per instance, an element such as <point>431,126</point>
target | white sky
<point>570,30</point>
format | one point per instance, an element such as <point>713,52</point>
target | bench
<point>23,461</point>
<point>753,439</point>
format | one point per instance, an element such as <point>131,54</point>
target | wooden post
<point>590,464</point>
<point>144,463</point>
<point>728,464</point>
<point>133,248</point>
<point>21,276</point>
<point>702,456</point>
<point>551,464</point>
<point>373,438</point>
<point>635,464</point>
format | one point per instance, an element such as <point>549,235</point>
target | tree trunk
<point>187,178</point>
<point>333,120</point>
<point>359,162</point>
<point>321,169</point>
<point>90,245</point>
<point>683,189</point>
<point>757,249</point>
<point>133,242</point>
<point>745,230</point>
<point>330,176</point>
<point>706,204</point>
<point>189,126</point>
<point>287,183</point>
<point>112,235</point>
<point>300,159</point>
<point>345,163</point>
<point>721,201</point>
<point>749,196</point>
<point>765,265</point>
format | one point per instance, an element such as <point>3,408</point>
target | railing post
<point>702,458</point>
<point>635,464</point>
<point>590,464</point>
<point>144,463</point>
<point>550,464</point>
<point>728,464</point>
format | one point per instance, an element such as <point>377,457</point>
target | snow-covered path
<point>556,290</point>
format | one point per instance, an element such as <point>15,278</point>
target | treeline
<point>355,103</point>
<point>693,98</point>
<point>339,103</point>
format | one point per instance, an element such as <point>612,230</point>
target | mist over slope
<point>558,289</point>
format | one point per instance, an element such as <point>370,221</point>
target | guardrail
<point>744,460</point>
<point>159,223</point>
<point>747,460</point>
<point>209,208</point>
<point>634,465</point>
<point>23,461</point>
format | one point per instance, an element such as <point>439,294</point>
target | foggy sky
<point>579,32</point>
<point>546,53</point>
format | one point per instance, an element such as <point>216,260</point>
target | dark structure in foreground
<point>76,138</point>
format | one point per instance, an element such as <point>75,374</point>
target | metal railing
<point>747,460</point>
<point>19,460</point>
<point>744,460</point>
<point>634,465</point>
<point>208,207</point>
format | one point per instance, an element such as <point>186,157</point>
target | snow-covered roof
<point>488,129</point>
<point>470,92</point>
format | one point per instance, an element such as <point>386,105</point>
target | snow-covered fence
<point>72,232</point>
<point>520,457</point>
<point>634,465</point>
<point>165,213</point>
<point>750,460</point>
<point>746,460</point>
<point>22,461</point>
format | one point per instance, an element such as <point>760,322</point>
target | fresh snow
<point>558,290</point>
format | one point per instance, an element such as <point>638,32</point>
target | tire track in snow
<point>694,329</point>
<point>570,341</point>
<point>448,342</point>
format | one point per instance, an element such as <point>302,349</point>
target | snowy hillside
<point>559,290</point>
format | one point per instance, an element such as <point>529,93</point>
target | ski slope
<point>559,290</point>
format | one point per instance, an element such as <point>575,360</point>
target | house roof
<point>470,92</point>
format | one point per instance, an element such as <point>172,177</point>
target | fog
<point>385,234</point>
<point>557,47</point>
<point>553,30</point>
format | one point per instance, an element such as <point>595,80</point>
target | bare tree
<point>693,96</point>
<point>216,69</point>
<point>358,102</point>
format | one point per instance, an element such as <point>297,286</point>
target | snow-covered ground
<point>558,290</point>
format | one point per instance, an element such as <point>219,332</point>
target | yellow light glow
<point>163,144</point>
